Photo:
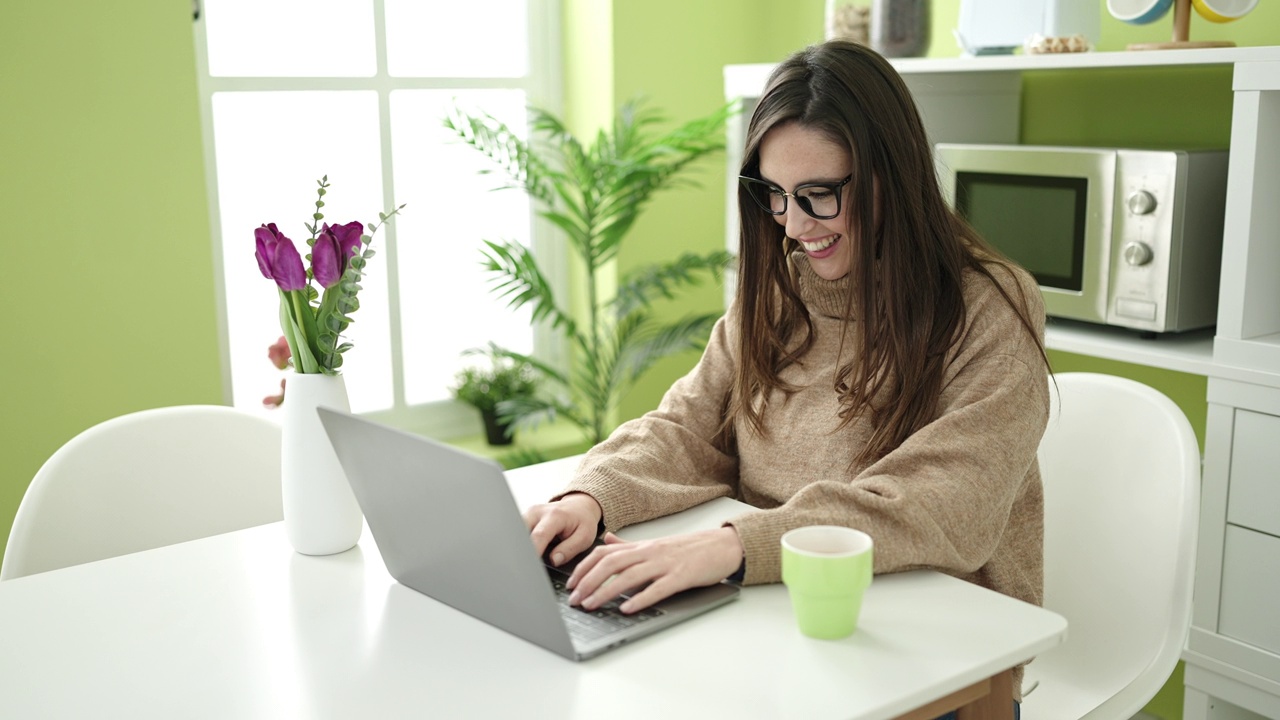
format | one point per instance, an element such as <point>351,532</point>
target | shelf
<point>1095,60</point>
<point>1255,360</point>
<point>748,80</point>
<point>1188,352</point>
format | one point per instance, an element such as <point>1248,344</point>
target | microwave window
<point>1037,221</point>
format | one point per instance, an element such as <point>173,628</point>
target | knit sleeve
<point>946,497</point>
<point>669,459</point>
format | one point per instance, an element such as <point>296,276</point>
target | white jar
<point>849,20</point>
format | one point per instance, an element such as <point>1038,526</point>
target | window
<point>293,90</point>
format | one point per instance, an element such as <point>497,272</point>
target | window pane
<point>271,148</point>
<point>445,302</point>
<point>453,39</point>
<point>290,38</point>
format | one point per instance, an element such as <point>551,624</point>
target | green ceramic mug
<point>826,570</point>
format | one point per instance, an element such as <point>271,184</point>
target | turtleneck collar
<point>823,297</point>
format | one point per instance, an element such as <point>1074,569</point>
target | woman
<point>880,368</point>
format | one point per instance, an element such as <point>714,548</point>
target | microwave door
<point>1048,211</point>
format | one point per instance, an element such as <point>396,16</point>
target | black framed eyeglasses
<point>820,201</point>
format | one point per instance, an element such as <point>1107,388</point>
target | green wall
<point>110,300</point>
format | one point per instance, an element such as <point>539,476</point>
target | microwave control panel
<point>1141,228</point>
<point>1166,241</point>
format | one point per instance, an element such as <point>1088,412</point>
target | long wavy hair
<point>909,252</point>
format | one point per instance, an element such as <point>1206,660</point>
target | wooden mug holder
<point>1181,28</point>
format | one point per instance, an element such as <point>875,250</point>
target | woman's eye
<point>817,194</point>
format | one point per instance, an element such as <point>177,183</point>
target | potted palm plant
<point>593,193</point>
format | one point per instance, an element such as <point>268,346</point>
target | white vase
<point>321,516</point>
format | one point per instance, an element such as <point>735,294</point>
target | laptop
<point>448,527</point>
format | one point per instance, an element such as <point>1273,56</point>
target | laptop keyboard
<point>604,620</point>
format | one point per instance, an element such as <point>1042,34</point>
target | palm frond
<point>688,333</point>
<point>518,278</point>
<point>639,288</point>
<point>628,330</point>
<point>589,379</point>
<point>505,148</point>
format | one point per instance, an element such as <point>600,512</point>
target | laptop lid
<point>447,526</point>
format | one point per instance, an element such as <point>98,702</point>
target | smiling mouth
<point>818,245</point>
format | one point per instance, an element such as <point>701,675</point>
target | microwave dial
<point>1141,202</point>
<point>1137,253</point>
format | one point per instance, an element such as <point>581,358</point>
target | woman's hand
<point>573,520</point>
<point>667,565</point>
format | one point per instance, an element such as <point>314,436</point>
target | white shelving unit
<point>1233,653</point>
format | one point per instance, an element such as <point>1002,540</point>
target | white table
<point>240,626</point>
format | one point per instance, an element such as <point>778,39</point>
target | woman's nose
<point>795,220</point>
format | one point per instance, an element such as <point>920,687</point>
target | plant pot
<point>495,432</point>
<point>321,516</point>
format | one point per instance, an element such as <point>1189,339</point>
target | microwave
<point>1130,238</point>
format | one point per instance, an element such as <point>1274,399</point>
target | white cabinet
<point>1233,653</point>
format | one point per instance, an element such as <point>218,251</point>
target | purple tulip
<point>335,245</point>
<point>348,238</point>
<point>325,266</point>
<point>265,238</point>
<point>278,259</point>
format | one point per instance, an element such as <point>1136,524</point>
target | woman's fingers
<point>589,563</point>
<point>572,520</point>
<point>659,589</point>
<point>654,569</point>
<point>612,577</point>
<point>574,545</point>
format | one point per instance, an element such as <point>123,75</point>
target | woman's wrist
<point>589,503</point>
<point>738,552</point>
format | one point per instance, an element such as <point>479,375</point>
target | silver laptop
<point>447,526</point>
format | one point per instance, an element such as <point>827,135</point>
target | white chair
<point>144,480</point>
<point>1121,475</point>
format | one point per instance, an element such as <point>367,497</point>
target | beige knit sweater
<point>962,495</point>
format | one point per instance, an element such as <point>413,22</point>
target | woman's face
<point>792,155</point>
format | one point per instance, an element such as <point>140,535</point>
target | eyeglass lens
<point>819,201</point>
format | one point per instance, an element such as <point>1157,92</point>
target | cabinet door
<point>1250,586</point>
<point>1254,500</point>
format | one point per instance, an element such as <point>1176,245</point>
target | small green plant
<point>503,380</point>
<point>594,193</point>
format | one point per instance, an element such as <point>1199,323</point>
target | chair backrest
<point>1121,471</point>
<point>144,480</point>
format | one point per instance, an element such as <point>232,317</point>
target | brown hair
<point>906,289</point>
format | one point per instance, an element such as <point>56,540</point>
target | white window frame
<point>542,86</point>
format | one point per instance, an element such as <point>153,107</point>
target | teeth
<point>822,244</point>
